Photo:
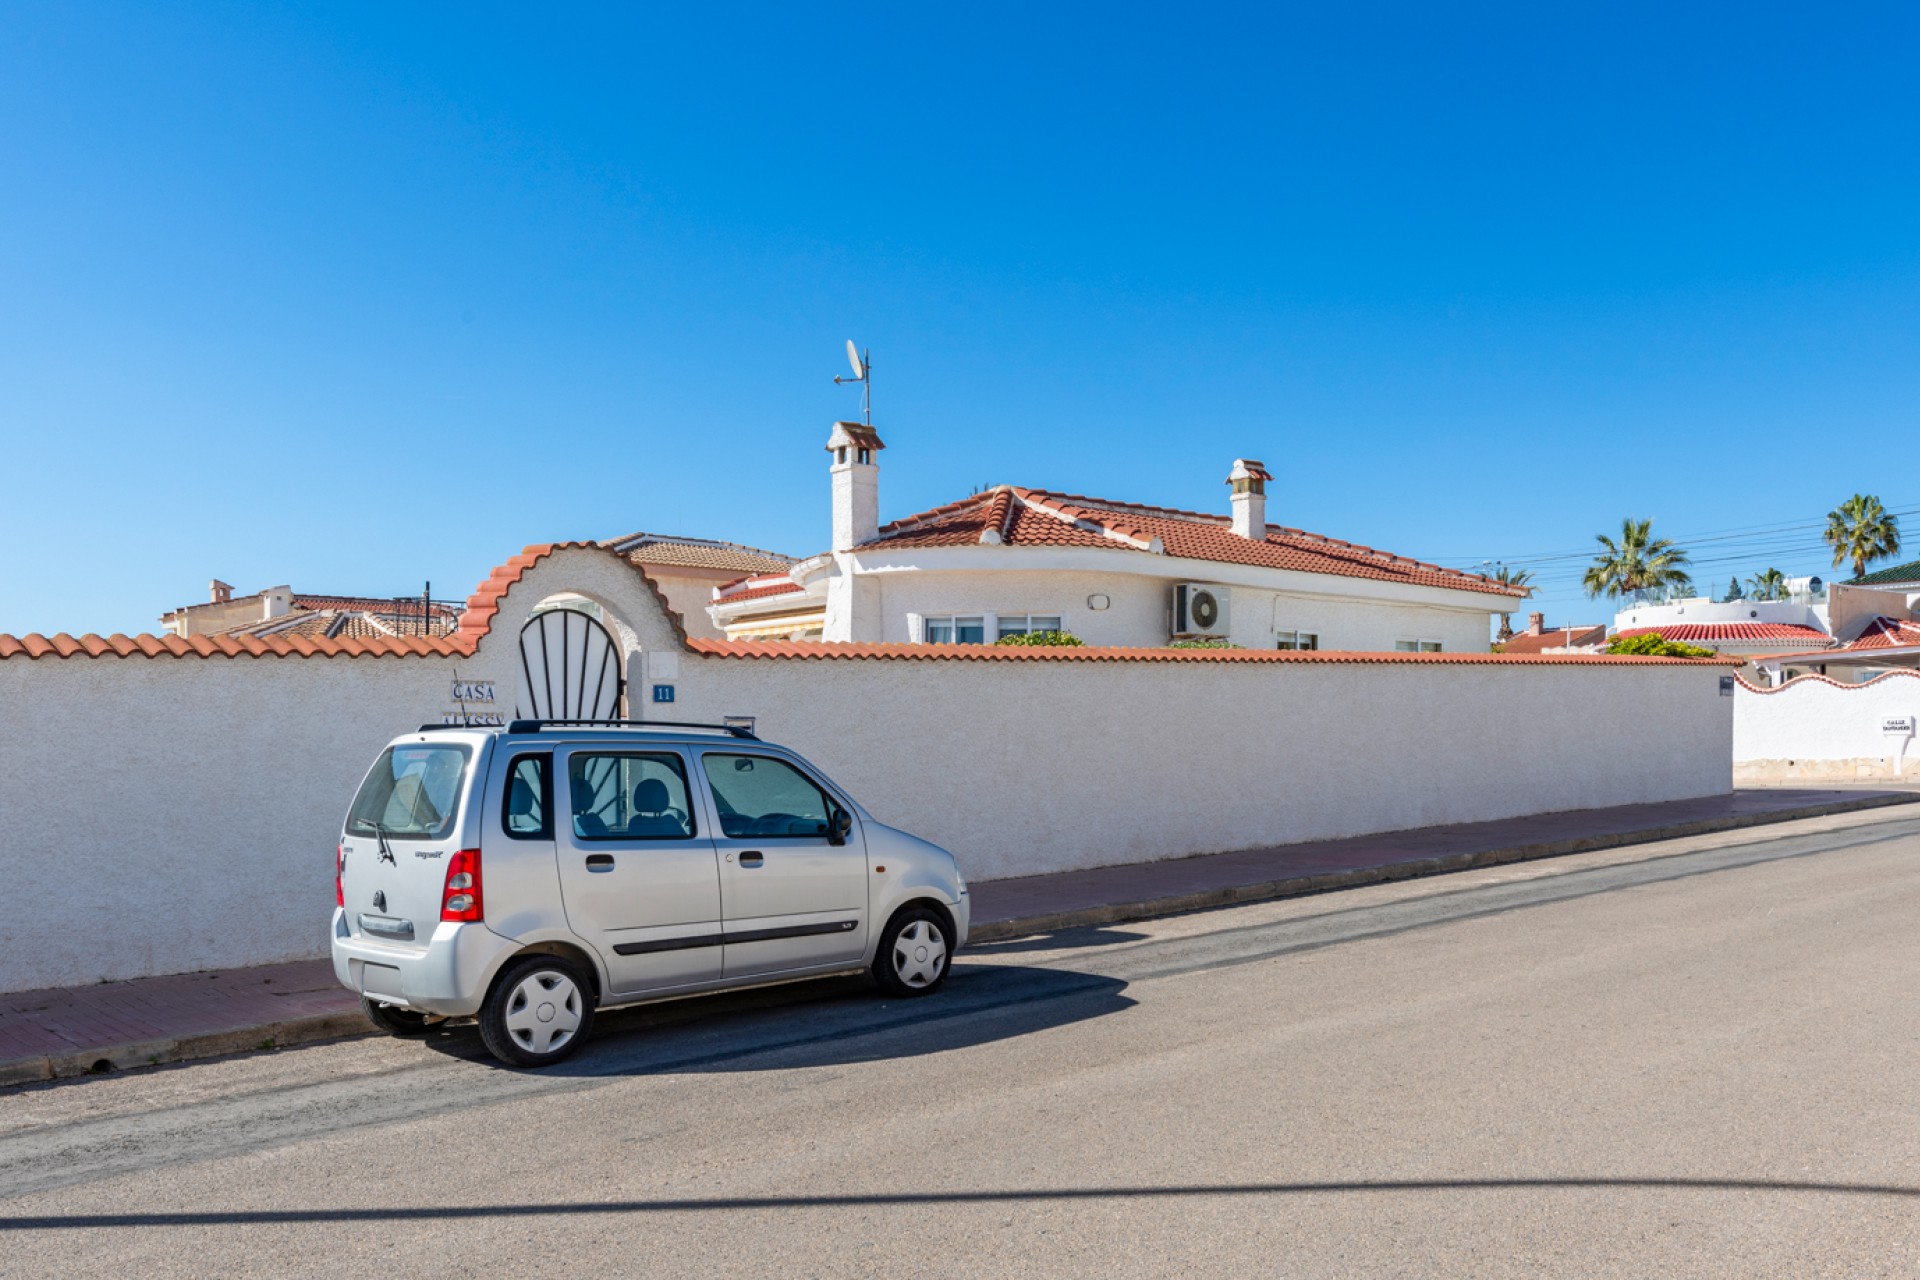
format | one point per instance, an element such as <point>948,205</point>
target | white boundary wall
<point>1815,729</point>
<point>1023,768</point>
<point>168,814</point>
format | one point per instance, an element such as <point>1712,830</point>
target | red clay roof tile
<point>1556,638</point>
<point>1885,633</point>
<point>1728,632</point>
<point>758,591</point>
<point>1047,518</point>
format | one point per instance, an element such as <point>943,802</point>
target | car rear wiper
<point>380,834</point>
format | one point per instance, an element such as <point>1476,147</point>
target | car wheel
<point>539,1011</point>
<point>914,953</point>
<point>392,1019</point>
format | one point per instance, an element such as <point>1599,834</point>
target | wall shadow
<point>1092,935</point>
<point>1036,1195</point>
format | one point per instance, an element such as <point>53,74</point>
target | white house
<point>1010,560</point>
<point>1736,628</point>
<point>1873,631</point>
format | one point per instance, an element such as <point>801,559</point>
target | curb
<point>211,1044</point>
<point>1302,886</point>
<point>349,1024</point>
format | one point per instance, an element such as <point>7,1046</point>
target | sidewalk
<point>67,1031</point>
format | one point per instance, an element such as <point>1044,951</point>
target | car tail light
<point>339,874</point>
<point>461,898</point>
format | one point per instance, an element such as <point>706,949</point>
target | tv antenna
<point>862,363</point>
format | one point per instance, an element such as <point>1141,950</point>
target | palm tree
<point>1860,530</point>
<point>1511,578</point>
<point>1770,584</point>
<point>1638,562</point>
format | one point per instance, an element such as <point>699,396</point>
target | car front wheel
<point>914,953</point>
<point>539,1011</point>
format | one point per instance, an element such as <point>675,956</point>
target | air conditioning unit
<point>1199,609</point>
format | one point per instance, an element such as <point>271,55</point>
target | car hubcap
<point>543,1013</point>
<point>920,954</point>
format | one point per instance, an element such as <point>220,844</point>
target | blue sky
<point>354,297</point>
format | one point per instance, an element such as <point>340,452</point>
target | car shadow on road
<point>833,1021</point>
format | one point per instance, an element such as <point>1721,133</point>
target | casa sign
<point>475,700</point>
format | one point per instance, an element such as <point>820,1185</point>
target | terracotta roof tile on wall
<point>1040,517</point>
<point>475,621</point>
<point>833,650</point>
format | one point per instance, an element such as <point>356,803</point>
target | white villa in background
<point>1849,632</point>
<point>1010,560</point>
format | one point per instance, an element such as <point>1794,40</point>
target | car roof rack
<point>534,726</point>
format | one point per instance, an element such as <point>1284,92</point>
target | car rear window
<point>412,793</point>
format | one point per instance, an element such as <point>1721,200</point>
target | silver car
<point>529,875</point>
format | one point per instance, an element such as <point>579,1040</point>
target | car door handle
<point>752,858</point>
<point>599,862</point>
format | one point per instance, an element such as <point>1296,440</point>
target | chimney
<point>276,602</point>
<point>1249,483</point>
<point>854,449</point>
<point>1536,623</point>
<point>219,592</point>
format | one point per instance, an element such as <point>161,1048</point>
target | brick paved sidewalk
<point>66,1031</point>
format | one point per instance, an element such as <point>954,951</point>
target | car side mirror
<point>840,827</point>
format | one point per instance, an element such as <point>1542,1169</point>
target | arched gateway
<point>570,668</point>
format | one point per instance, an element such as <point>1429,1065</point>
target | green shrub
<point>1655,645</point>
<point>1066,638</point>
<point>1205,642</point>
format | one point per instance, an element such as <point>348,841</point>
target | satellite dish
<point>853,358</point>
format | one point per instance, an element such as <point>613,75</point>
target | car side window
<point>629,795</point>
<point>528,814</point>
<point>762,796</point>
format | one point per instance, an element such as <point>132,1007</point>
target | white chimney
<point>1249,482</point>
<point>854,448</point>
<point>276,602</point>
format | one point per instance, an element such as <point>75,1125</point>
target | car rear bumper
<point>448,976</point>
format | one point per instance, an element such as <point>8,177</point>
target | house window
<point>1416,646</point>
<point>957,629</point>
<point>1297,640</point>
<point>1024,624</point>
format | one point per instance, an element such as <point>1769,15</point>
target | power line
<point>1764,541</point>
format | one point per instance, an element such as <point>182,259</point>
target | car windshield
<point>413,792</point>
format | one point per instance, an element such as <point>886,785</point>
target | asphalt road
<point>1691,1059</point>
